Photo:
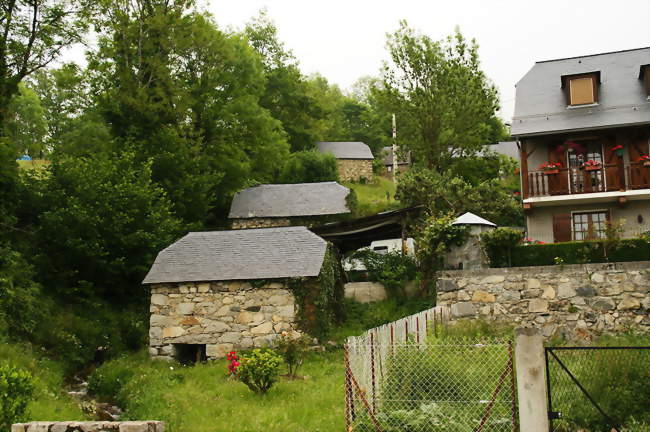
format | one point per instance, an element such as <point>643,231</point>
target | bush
<point>259,370</point>
<point>293,351</point>
<point>580,253</point>
<point>309,167</point>
<point>107,381</point>
<point>16,391</point>
<point>393,270</point>
<point>498,244</point>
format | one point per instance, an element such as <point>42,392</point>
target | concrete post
<point>531,380</point>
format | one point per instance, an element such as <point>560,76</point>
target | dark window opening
<point>189,354</point>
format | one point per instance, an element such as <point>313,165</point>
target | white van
<point>380,247</point>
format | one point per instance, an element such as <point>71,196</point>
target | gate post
<point>531,380</point>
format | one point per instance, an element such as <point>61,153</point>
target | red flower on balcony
<point>550,166</point>
<point>617,147</point>
<point>643,158</point>
<point>591,165</point>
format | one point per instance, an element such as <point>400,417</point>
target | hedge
<point>579,253</point>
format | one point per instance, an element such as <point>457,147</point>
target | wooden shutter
<point>581,91</point>
<point>639,174</point>
<point>614,170</point>
<point>561,227</point>
<point>558,184</point>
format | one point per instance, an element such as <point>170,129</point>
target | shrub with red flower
<point>643,158</point>
<point>234,363</point>
<point>617,147</point>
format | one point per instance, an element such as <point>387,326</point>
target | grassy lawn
<point>51,401</point>
<point>33,164</point>
<point>374,197</point>
<point>202,398</point>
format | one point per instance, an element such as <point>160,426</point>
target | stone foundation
<point>572,300</point>
<point>354,169</point>
<point>94,426</point>
<point>220,315</point>
<point>260,223</point>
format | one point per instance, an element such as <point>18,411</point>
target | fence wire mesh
<point>598,388</point>
<point>440,385</point>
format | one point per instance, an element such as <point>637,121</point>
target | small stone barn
<point>273,205</point>
<point>212,292</point>
<point>353,159</point>
<point>388,159</point>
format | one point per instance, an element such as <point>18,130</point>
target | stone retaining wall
<point>569,300</point>
<point>222,315</point>
<point>95,426</point>
<point>260,223</point>
<point>354,169</point>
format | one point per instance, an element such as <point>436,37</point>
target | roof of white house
<point>267,253</point>
<point>346,150</point>
<point>541,107</point>
<point>471,219</point>
<point>290,200</point>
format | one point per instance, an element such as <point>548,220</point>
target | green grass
<point>374,197</point>
<point>33,164</point>
<point>51,402</point>
<point>203,398</point>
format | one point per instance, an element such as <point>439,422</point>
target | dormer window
<point>644,75</point>
<point>581,89</point>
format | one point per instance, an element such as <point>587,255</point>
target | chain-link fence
<point>598,388</point>
<point>444,384</point>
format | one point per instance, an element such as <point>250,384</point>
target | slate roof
<point>540,104</point>
<point>346,150</point>
<point>471,219</point>
<point>250,254</point>
<point>289,200</point>
<point>507,148</point>
<point>388,157</point>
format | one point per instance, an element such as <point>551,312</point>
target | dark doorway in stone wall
<point>189,354</point>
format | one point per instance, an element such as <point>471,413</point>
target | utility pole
<point>394,150</point>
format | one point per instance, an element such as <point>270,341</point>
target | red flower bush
<point>591,163</point>
<point>234,362</point>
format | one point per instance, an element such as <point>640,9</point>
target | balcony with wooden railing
<point>604,178</point>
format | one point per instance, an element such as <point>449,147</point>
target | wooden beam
<point>523,161</point>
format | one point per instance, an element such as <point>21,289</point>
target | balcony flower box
<point>645,160</point>
<point>646,163</point>
<point>591,165</point>
<point>550,168</point>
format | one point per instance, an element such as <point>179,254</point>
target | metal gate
<point>596,388</point>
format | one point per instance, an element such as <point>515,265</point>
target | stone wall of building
<point>92,426</point>
<point>222,315</point>
<point>354,169</point>
<point>572,300</point>
<point>260,223</point>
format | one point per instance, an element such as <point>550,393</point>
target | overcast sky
<point>345,39</point>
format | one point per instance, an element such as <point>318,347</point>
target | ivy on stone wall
<point>320,301</point>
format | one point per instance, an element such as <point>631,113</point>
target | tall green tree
<point>287,94</point>
<point>32,34</point>
<point>444,103</point>
<point>26,125</point>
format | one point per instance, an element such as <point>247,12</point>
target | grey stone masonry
<point>575,301</point>
<point>223,315</point>
<point>92,426</point>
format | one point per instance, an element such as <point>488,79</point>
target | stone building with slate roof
<point>387,160</point>
<point>353,159</point>
<point>212,292</point>
<point>274,205</point>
